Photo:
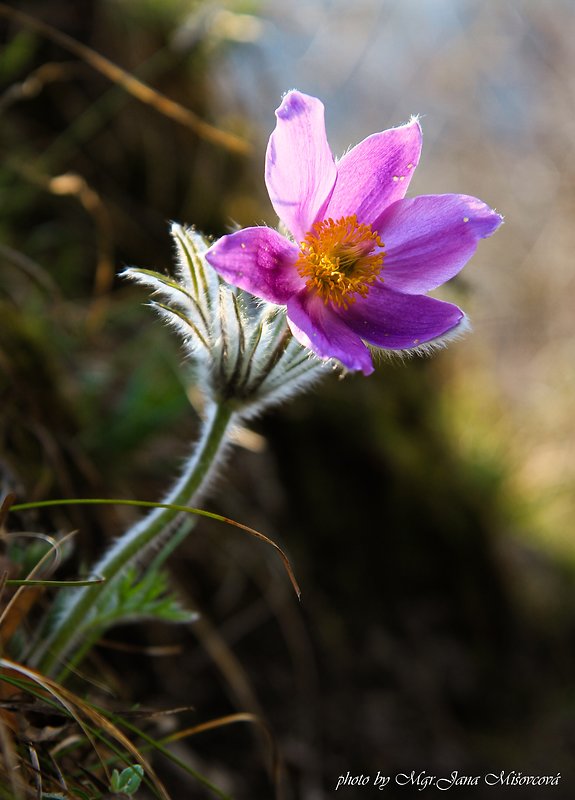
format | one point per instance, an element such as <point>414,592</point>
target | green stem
<point>68,626</point>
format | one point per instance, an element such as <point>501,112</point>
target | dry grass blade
<point>232,719</point>
<point>33,84</point>
<point>9,621</point>
<point>3,579</point>
<point>137,88</point>
<point>267,540</point>
<point>76,186</point>
<point>35,762</point>
<point>10,759</point>
<point>55,691</point>
<point>79,709</point>
<point>7,502</point>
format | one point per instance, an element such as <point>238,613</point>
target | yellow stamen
<point>338,260</point>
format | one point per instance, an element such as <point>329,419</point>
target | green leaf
<point>127,781</point>
<point>134,597</point>
<point>17,55</point>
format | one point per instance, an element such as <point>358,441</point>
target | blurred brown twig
<point>135,87</point>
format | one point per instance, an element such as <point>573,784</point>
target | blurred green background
<point>428,510</point>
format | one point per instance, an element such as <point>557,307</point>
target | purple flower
<point>363,255</point>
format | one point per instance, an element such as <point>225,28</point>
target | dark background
<point>427,510</point>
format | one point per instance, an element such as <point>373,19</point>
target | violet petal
<point>397,321</point>
<point>300,170</point>
<point>428,239</point>
<point>375,173</point>
<point>317,327</point>
<point>259,260</point>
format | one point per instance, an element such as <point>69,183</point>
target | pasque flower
<point>360,257</point>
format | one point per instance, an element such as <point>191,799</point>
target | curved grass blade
<point>183,509</point>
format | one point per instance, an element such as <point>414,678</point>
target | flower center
<point>338,260</point>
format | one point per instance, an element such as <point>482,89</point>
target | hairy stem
<point>67,628</point>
